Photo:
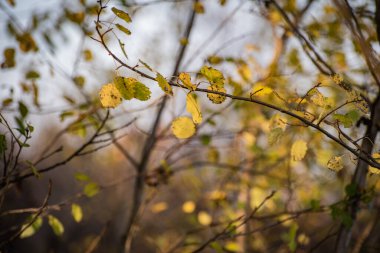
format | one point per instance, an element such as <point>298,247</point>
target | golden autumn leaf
<point>335,163</point>
<point>186,81</point>
<point>192,106</point>
<point>183,127</point>
<point>298,150</point>
<point>188,207</point>
<point>110,96</point>
<point>204,218</point>
<point>216,98</point>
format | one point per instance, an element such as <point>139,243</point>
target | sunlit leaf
<point>56,225</point>
<point>371,169</point>
<point>110,96</point>
<point>32,228</point>
<point>188,207</point>
<point>298,150</point>
<point>164,85</point>
<point>204,218</point>
<point>91,189</point>
<point>232,247</point>
<point>183,127</point>
<point>121,14</point>
<point>186,81</point>
<point>159,207</point>
<point>192,106</point>
<point>76,212</point>
<point>216,98</point>
<point>261,90</point>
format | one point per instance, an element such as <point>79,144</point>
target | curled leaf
<point>192,106</point>
<point>186,81</point>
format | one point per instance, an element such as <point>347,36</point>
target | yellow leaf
<point>374,170</point>
<point>216,98</point>
<point>204,218</point>
<point>186,81</point>
<point>110,96</point>
<point>32,228</point>
<point>159,207</point>
<point>199,8</point>
<point>183,127</point>
<point>335,163</point>
<point>188,207</point>
<point>245,72</point>
<point>164,85</point>
<point>121,14</point>
<point>56,225</point>
<point>214,76</point>
<point>261,90</point>
<point>123,29</point>
<point>76,212</point>
<point>298,150</point>
<point>193,108</point>
<point>318,99</point>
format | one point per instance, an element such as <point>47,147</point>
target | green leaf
<point>164,85</point>
<point>56,225</point>
<point>34,169</point>
<point>205,139</point>
<point>347,119</point>
<point>76,212</point>
<point>23,109</point>
<point>141,92</point>
<point>91,189</point>
<point>315,204</point>
<point>3,144</point>
<point>121,14</point>
<point>131,88</point>
<point>351,189</point>
<point>21,127</point>
<point>292,244</point>
<point>33,228</point>
<point>123,29</point>
<point>146,65</point>
<point>122,47</point>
